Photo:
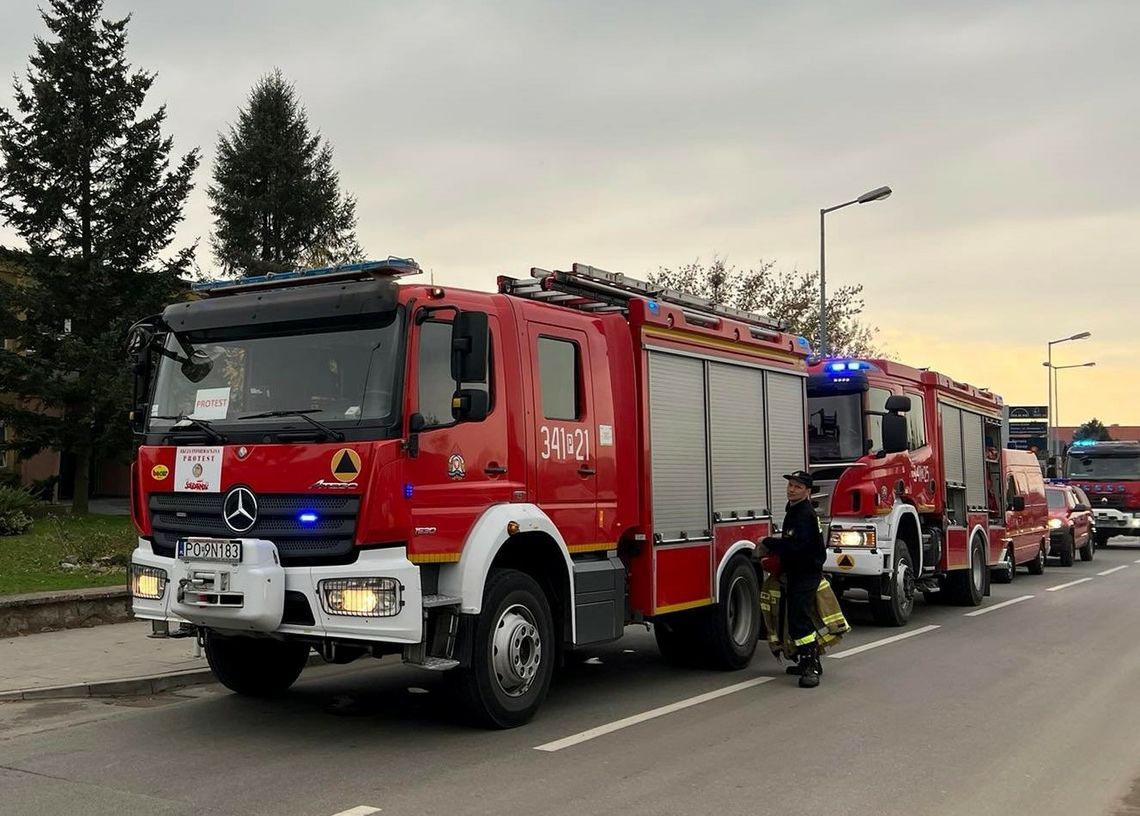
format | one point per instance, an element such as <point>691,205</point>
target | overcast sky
<point>486,138</point>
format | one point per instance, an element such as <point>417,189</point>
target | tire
<point>1065,550</point>
<point>897,608</point>
<point>513,653</point>
<point>728,629</point>
<point>967,587</point>
<point>1007,571</point>
<point>1037,565</point>
<point>255,667</point>
<point>1089,550</point>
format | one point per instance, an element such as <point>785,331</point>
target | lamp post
<point>1056,404</point>
<point>1049,364</point>
<point>878,194</point>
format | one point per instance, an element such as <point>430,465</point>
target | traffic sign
<point>1023,429</point>
<point>1028,412</point>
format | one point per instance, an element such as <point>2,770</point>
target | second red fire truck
<point>336,460</point>
<point>908,464</point>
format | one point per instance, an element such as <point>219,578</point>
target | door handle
<point>494,470</point>
<point>586,470</point>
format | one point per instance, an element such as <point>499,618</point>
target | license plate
<point>209,549</point>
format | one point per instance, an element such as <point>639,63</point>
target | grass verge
<point>67,552</point>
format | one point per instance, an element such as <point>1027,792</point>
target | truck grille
<point>1106,501</point>
<point>328,540</point>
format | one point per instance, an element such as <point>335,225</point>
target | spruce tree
<point>276,198</point>
<point>87,183</point>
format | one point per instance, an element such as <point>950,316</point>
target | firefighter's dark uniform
<point>802,555</point>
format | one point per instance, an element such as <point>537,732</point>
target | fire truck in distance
<point>908,467</point>
<point>479,482</point>
<point>1109,472</point>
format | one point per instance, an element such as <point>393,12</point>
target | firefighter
<point>802,554</point>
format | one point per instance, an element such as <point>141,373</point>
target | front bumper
<point>262,585</point>
<point>1117,521</point>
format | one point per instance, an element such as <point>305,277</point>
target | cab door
<point>565,444</point>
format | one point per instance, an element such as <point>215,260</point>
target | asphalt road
<point>1028,708</point>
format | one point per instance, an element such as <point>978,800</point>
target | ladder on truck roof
<point>595,290</point>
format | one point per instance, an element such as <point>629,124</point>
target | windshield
<point>1056,499</point>
<point>1104,467</point>
<point>835,428</point>
<point>335,377</point>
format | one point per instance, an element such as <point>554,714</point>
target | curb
<point>125,687</point>
<point>36,612</point>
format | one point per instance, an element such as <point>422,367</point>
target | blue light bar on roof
<point>396,267</point>
<point>847,365</point>
<point>1083,443</point>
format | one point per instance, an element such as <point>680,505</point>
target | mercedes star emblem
<point>239,511</point>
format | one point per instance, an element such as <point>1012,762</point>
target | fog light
<point>361,597</point>
<point>148,582</point>
<point>1054,524</point>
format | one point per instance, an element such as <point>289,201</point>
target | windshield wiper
<point>320,426</point>
<point>194,423</point>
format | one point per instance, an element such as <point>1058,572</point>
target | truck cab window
<point>876,406</point>
<point>436,388</point>
<point>916,423</point>
<point>559,372</point>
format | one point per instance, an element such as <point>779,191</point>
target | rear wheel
<point>967,587</point>
<point>255,667</point>
<point>895,609</point>
<point>1006,571</point>
<point>512,658</point>
<point>1037,565</point>
<point>728,629</point>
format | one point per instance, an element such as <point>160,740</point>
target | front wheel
<point>1006,571</point>
<point>512,658</point>
<point>1089,550</point>
<point>255,667</point>
<point>895,609</point>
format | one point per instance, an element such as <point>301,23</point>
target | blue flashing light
<point>653,306</point>
<point>837,367</point>
<point>1083,443</point>
<point>804,343</point>
<point>408,490</point>
<point>846,365</point>
<point>307,517</point>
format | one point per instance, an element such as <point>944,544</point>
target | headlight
<point>148,582</point>
<point>361,597</point>
<point>1054,524</point>
<point>852,538</point>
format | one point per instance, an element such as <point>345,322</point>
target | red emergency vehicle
<point>1109,472</point>
<point>335,460</point>
<point>908,466</point>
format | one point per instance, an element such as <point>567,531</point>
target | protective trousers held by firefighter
<point>801,554</point>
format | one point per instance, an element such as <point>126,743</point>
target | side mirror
<point>1017,503</point>
<point>197,367</point>
<point>897,404</point>
<point>469,348</point>
<point>895,434</point>
<point>416,422</point>
<point>470,405</point>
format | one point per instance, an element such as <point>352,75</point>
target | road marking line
<point>977,612</point>
<point>1137,561</point>
<point>1114,569</point>
<point>875,644</point>
<point>653,713</point>
<point>359,810</point>
<point>1071,583</point>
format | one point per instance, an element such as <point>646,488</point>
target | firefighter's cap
<point>801,476</point>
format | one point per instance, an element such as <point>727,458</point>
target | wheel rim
<point>516,650</point>
<point>976,571</point>
<point>904,587</point>
<point>1007,562</point>
<point>739,610</point>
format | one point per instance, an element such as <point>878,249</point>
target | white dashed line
<point>1137,561</point>
<point>618,725</point>
<point>1071,583</point>
<point>1114,569</point>
<point>977,612</point>
<point>359,810</point>
<point>875,644</point>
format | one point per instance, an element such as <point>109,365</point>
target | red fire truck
<point>336,460</point>
<point>909,472</point>
<point>1109,472</point>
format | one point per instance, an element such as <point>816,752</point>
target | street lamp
<point>1049,364</point>
<point>1055,395</point>
<point>878,194</point>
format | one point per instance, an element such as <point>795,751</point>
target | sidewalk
<point>112,659</point>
